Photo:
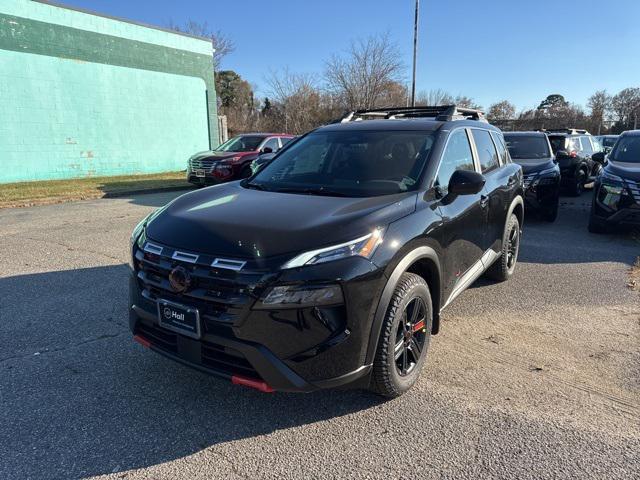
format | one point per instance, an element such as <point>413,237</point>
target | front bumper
<point>624,210</point>
<point>298,350</point>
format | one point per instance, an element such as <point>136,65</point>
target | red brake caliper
<point>418,326</point>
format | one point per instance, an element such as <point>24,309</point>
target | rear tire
<point>503,268</point>
<point>404,338</point>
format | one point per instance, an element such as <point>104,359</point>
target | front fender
<point>410,258</point>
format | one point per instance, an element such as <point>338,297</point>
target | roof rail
<point>570,131</point>
<point>441,113</point>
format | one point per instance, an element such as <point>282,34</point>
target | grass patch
<point>55,191</point>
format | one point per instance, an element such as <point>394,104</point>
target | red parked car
<point>232,160</point>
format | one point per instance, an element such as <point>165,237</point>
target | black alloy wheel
<point>410,336</point>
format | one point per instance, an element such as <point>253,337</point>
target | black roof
<point>631,133</point>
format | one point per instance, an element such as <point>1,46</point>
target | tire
<point>596,225</point>
<point>577,187</point>
<point>551,214</point>
<point>503,268</point>
<point>403,343</point>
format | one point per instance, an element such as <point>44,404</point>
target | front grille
<point>226,360</point>
<point>159,337</point>
<point>205,164</point>
<point>222,293</point>
<point>215,357</point>
<point>634,188</point>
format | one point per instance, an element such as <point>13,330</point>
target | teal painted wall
<point>84,95</point>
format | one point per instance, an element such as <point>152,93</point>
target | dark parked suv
<point>573,149</point>
<point>616,199</point>
<point>232,160</point>
<point>331,266</point>
<point>540,169</point>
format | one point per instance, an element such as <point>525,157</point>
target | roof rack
<point>570,131</point>
<point>441,113</point>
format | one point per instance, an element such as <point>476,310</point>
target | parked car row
<point>330,264</point>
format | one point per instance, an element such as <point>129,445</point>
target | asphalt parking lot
<point>535,378</point>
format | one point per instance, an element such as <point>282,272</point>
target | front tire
<point>404,337</point>
<point>503,268</point>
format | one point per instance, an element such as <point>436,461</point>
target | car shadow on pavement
<point>80,398</point>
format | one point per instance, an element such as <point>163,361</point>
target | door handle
<point>484,201</point>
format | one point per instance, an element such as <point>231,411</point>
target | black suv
<point>331,265</point>
<point>573,149</point>
<point>540,169</point>
<point>616,199</point>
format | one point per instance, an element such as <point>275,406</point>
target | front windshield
<point>608,141</point>
<point>627,150</point>
<point>527,146</point>
<point>243,143</point>
<point>349,163</point>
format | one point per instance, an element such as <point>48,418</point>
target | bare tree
<point>599,105</point>
<point>501,111</point>
<point>222,44</point>
<point>435,97</point>
<point>467,102</point>
<point>361,76</point>
<point>297,103</point>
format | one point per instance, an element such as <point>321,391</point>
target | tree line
<point>370,74</point>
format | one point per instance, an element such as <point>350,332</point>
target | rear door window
<point>487,153</point>
<point>586,145</point>
<point>502,150</point>
<point>272,143</point>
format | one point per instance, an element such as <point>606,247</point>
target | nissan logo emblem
<point>180,279</point>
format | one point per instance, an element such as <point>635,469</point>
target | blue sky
<point>491,50</point>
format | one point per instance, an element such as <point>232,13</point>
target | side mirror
<point>598,157</point>
<point>465,182</point>
<point>266,150</point>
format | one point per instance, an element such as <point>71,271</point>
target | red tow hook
<point>250,382</point>
<point>142,341</point>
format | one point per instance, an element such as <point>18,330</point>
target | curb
<point>146,190</point>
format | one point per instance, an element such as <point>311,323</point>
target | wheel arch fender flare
<point>516,203</point>
<point>419,253</point>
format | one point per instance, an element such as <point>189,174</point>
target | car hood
<point>533,165</point>
<point>231,220</point>
<point>211,154</point>
<point>628,171</point>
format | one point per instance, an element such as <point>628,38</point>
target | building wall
<point>85,95</point>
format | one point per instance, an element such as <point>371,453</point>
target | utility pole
<point>415,53</point>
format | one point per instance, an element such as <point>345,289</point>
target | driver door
<point>464,221</point>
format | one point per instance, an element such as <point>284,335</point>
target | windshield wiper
<point>313,191</point>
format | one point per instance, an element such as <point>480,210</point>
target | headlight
<point>362,247</point>
<point>609,179</point>
<point>135,235</point>
<point>294,296</point>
